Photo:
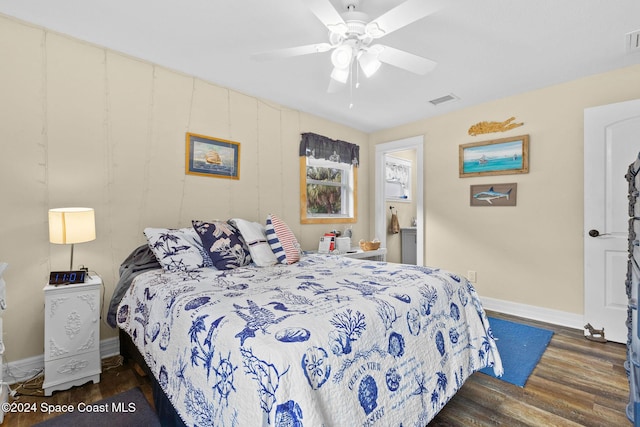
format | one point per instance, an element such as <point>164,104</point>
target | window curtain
<point>321,147</point>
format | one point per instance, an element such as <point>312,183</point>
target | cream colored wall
<point>406,210</point>
<point>531,253</point>
<point>82,125</point>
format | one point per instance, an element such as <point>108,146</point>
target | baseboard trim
<point>556,317</point>
<point>24,369</point>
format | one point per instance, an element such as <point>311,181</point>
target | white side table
<point>72,335</point>
<point>376,255</point>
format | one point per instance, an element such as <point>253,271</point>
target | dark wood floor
<point>577,383</point>
<point>116,378</point>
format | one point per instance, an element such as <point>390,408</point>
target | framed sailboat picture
<point>497,157</point>
<point>212,157</point>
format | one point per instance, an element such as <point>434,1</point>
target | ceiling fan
<point>352,35</point>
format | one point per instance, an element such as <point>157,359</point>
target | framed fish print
<point>493,194</point>
<point>212,157</point>
<point>497,157</point>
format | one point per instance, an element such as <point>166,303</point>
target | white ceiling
<point>485,49</point>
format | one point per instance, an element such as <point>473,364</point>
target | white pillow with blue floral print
<point>177,249</point>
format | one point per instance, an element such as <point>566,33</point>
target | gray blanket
<point>139,261</point>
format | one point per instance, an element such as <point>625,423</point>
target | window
<point>328,186</point>
<point>397,179</point>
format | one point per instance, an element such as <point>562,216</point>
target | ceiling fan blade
<point>405,60</point>
<point>328,15</point>
<point>292,51</point>
<point>402,15</point>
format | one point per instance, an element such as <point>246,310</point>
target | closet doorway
<point>382,213</point>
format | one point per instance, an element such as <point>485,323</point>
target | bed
<point>323,341</point>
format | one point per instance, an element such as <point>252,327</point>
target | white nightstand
<point>72,335</point>
<point>377,255</point>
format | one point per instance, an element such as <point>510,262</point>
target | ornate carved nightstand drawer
<point>61,374</point>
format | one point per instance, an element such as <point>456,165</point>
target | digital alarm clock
<point>66,277</point>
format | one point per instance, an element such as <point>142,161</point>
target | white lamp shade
<point>340,75</point>
<point>341,56</point>
<point>369,63</point>
<point>71,225</point>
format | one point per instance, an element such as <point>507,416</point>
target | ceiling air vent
<point>447,98</point>
<point>633,41</point>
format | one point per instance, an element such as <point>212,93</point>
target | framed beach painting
<point>497,157</point>
<point>212,157</point>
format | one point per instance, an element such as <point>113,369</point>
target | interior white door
<point>611,143</point>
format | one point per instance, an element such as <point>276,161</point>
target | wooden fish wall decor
<point>490,127</point>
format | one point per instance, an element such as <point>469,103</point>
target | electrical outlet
<point>471,275</point>
<point>633,41</point>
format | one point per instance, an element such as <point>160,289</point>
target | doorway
<point>610,145</point>
<point>381,222</point>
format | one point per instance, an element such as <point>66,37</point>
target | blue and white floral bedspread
<point>329,341</point>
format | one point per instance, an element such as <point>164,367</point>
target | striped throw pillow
<point>283,242</point>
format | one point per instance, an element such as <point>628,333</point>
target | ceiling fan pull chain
<point>351,87</point>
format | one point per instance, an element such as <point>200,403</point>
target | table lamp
<point>70,226</point>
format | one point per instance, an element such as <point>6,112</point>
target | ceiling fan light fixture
<point>369,63</point>
<point>341,57</point>
<point>340,74</point>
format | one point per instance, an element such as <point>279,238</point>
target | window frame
<point>349,194</point>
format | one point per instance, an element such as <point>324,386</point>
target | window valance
<point>321,147</point>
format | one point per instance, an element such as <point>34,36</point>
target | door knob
<point>596,233</point>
